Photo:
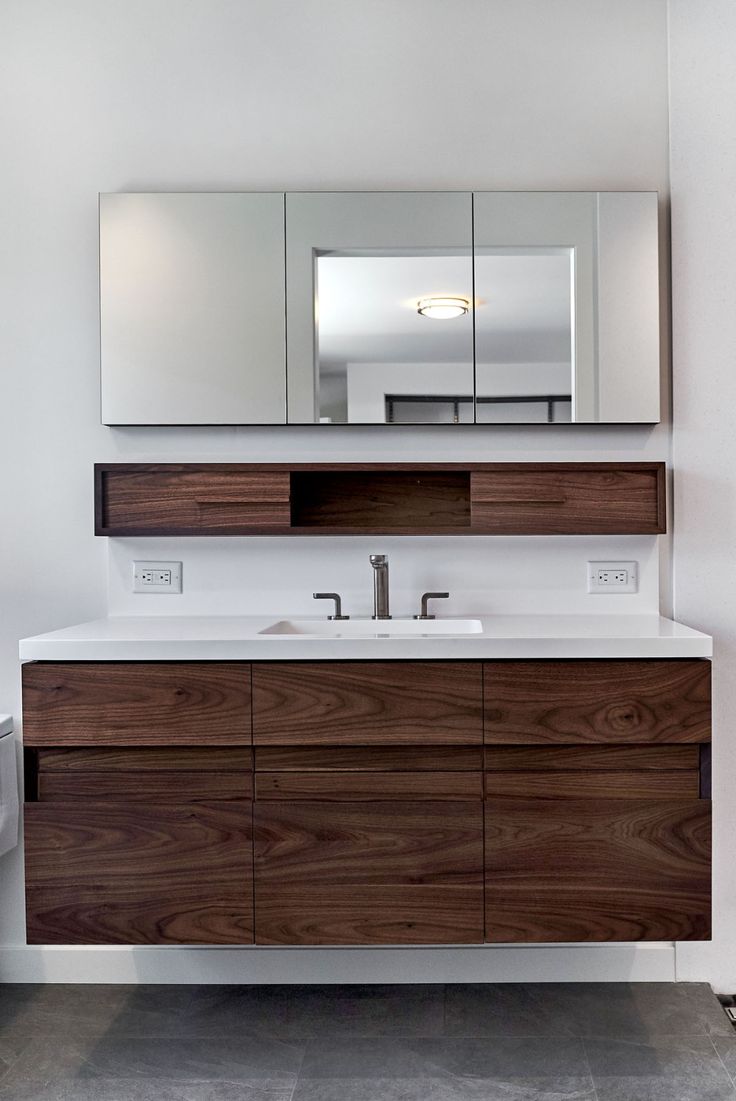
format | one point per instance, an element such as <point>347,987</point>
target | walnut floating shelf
<point>380,498</point>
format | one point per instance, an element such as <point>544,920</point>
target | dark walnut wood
<point>351,786</point>
<point>361,498</point>
<point>586,757</point>
<point>381,500</point>
<point>207,499</point>
<point>197,759</point>
<point>616,783</point>
<point>547,499</point>
<point>597,869</point>
<point>136,873</point>
<point>367,703</point>
<point>149,786</point>
<point>364,873</point>
<point>136,703</point>
<point>375,758</point>
<point>528,702</point>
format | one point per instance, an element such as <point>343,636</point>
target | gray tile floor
<point>512,1042</point>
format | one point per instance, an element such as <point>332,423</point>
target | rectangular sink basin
<point>370,628</point>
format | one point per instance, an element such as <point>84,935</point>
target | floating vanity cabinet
<point>138,812</point>
<point>367,802</point>
<point>597,810</point>
<point>368,811</point>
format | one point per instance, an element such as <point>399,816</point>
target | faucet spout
<point>380,586</point>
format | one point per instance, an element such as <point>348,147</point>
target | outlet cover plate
<point>157,577</point>
<point>612,578</point>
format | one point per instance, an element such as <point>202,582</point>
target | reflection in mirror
<point>378,359</point>
<point>524,321</point>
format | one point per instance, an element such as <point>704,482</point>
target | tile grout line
<point>720,1059</point>
<point>590,1069</point>
<point>304,1045</point>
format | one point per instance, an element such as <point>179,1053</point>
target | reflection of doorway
<point>534,409</point>
<point>512,351</point>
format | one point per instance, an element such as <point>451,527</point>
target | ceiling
<point>367,308</point>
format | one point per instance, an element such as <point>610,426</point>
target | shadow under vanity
<point>470,789</point>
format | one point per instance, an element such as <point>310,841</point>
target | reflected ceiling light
<point>442,309</point>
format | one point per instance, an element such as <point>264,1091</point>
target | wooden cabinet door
<point>140,846</point>
<point>596,843</point>
<point>597,869</point>
<point>369,872</point>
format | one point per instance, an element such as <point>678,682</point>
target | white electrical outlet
<point>157,577</point>
<point>613,577</point>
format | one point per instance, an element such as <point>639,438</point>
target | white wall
<point>703,105</point>
<point>207,94</point>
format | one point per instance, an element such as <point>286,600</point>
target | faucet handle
<point>430,596</point>
<point>338,604</point>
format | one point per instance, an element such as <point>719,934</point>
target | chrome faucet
<point>380,586</point>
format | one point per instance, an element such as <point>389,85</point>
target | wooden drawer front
<point>338,874</point>
<point>171,775</point>
<point>136,703</point>
<point>196,759</point>
<point>591,757</point>
<point>597,869</point>
<point>111,873</point>
<point>616,783</point>
<point>347,786</point>
<point>367,703</point>
<point>158,787</point>
<point>368,772</point>
<point>210,500</point>
<point>528,702</point>
<point>333,758</point>
<point>569,499</point>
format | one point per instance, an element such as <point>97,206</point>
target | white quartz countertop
<point>241,638</point>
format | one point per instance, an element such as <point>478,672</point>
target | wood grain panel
<point>511,758</point>
<point>190,499</point>
<point>367,703</point>
<point>330,873</point>
<point>58,916</point>
<point>349,786</point>
<point>597,869</point>
<point>348,914</point>
<point>156,787</point>
<point>528,702</point>
<point>594,785</point>
<point>149,758</point>
<point>136,873</point>
<point>136,703</point>
<point>539,499</point>
<point>456,758</point>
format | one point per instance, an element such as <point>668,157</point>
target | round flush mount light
<point>442,309</point>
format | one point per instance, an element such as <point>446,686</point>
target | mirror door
<point>567,307</point>
<point>380,308</point>
<point>192,308</point>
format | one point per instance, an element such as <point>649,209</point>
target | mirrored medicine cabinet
<point>379,308</point>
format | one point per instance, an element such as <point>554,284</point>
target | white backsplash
<point>483,574</point>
